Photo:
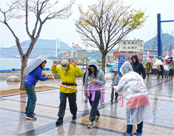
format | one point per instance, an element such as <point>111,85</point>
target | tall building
<point>131,47</point>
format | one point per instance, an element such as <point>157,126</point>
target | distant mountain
<point>167,42</point>
<point>44,44</point>
<point>41,47</point>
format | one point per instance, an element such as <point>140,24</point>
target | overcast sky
<point>65,29</point>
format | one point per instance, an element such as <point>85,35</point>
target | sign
<point>116,54</point>
<point>148,54</point>
<point>121,60</point>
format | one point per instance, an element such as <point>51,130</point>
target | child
<point>94,79</point>
<point>115,79</point>
<point>166,68</point>
<point>138,107</point>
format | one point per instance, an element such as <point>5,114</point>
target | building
<point>74,49</point>
<point>80,54</point>
<point>66,55</point>
<point>131,47</point>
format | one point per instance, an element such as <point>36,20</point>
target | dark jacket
<point>138,67</point>
<point>34,76</point>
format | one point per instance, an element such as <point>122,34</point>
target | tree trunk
<point>103,62</point>
<point>24,60</point>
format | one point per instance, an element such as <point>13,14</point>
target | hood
<point>94,63</point>
<point>126,68</point>
<point>136,57</point>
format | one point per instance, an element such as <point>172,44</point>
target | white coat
<point>138,107</point>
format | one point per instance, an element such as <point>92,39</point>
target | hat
<point>114,70</point>
<point>64,64</point>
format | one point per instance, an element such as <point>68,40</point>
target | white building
<point>131,47</point>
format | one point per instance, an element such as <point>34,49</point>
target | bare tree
<point>43,10</point>
<point>106,23</point>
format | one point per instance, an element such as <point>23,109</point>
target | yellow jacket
<point>68,76</point>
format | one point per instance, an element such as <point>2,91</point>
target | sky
<point>65,29</point>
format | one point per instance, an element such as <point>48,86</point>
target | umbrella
<point>158,62</point>
<point>166,59</point>
<point>150,63</point>
<point>94,58</point>
<point>34,64</point>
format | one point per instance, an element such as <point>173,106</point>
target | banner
<point>148,54</point>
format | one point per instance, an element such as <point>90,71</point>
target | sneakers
<point>90,125</point>
<point>127,134</point>
<point>97,118</point>
<point>59,121</point>
<point>30,117</point>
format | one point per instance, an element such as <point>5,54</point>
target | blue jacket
<point>34,76</point>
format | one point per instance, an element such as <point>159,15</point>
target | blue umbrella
<point>34,64</point>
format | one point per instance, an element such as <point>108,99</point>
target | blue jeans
<point>31,103</point>
<point>138,131</point>
<point>72,104</point>
<point>94,106</point>
<point>160,73</point>
<point>166,74</point>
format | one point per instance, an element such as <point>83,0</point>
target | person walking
<point>29,85</point>
<point>94,79</point>
<point>171,67</point>
<point>115,79</point>
<point>68,73</point>
<point>166,68</point>
<point>137,66</point>
<point>138,107</point>
<point>148,68</point>
<point>160,69</point>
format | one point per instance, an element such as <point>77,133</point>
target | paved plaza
<point>112,120</point>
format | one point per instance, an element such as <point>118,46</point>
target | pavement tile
<point>112,120</point>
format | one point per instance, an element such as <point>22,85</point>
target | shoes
<point>97,118</point>
<point>111,101</point>
<point>59,121</point>
<point>127,134</point>
<point>30,117</point>
<point>74,117</point>
<point>137,134</point>
<point>90,125</point>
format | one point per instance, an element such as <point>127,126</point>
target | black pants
<point>139,128</point>
<point>160,73</point>
<point>94,106</point>
<point>72,104</point>
<point>171,72</point>
<point>112,94</point>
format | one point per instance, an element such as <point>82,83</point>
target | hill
<point>167,41</point>
<point>41,47</point>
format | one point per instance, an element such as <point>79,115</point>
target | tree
<point>43,10</point>
<point>105,24</point>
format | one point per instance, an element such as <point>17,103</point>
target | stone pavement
<point>112,121</point>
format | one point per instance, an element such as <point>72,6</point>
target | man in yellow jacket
<point>68,73</point>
